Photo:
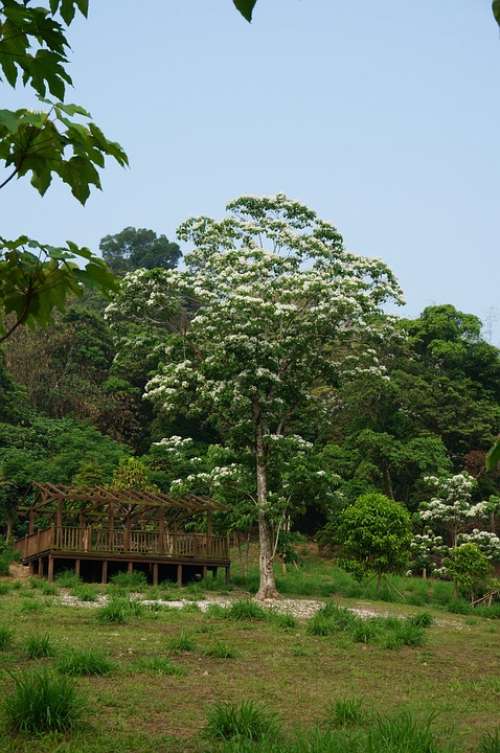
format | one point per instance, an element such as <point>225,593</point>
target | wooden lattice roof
<point>131,501</point>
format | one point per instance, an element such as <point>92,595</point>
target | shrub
<point>490,742</point>
<point>158,665</point>
<point>220,650</point>
<point>39,647</point>
<point>244,721</point>
<point>134,581</point>
<point>244,609</point>
<point>42,702</point>
<point>84,662</point>
<point>375,531</point>
<point>68,579</point>
<point>5,588</point>
<point>6,636</point>
<point>469,569</point>
<point>347,712</point>
<point>183,643</point>
<point>400,734</point>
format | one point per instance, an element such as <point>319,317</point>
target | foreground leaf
<point>245,7</point>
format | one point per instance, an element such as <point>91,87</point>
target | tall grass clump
<point>401,734</point>
<point>84,662</point>
<point>284,620</point>
<point>346,712</point>
<point>116,611</point>
<point>135,581</point>
<point>42,702</point>
<point>68,579</point>
<point>244,609</point>
<point>246,721</point>
<point>183,643</point>
<point>5,588</point>
<point>39,647</point>
<point>220,650</point>
<point>6,637</point>
<point>490,742</point>
<point>157,665</point>
<point>216,611</point>
<point>84,592</point>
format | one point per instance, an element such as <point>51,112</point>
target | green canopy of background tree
<point>134,248</point>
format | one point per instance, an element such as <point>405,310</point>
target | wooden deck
<point>153,548</point>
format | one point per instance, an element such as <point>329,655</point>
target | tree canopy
<point>134,248</point>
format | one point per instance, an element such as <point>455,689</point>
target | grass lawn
<point>165,670</point>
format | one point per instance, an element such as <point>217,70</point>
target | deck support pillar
<point>179,575</point>
<point>226,574</point>
<point>205,572</point>
<point>77,567</point>
<point>50,570</point>
<point>130,567</point>
<point>155,573</point>
<point>40,566</point>
<point>104,572</point>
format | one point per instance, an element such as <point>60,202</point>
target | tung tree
<point>278,309</point>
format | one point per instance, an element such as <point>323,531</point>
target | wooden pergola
<point>145,529</point>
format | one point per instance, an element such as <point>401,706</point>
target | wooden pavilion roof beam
<point>98,497</point>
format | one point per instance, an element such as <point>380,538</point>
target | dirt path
<point>302,609</point>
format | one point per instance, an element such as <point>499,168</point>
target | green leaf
<point>245,7</point>
<point>496,10</point>
<point>9,120</point>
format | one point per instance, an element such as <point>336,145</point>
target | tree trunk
<point>267,587</point>
<point>388,490</point>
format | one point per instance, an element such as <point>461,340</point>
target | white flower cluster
<point>174,443</point>
<point>486,541</point>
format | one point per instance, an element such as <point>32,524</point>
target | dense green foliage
<point>376,532</point>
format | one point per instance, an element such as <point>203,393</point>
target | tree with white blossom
<point>452,506</point>
<point>279,308</point>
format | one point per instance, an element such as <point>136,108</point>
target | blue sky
<point>383,116</point>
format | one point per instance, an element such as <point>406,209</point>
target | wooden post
<point>40,567</point>
<point>130,567</point>
<point>26,545</point>
<point>205,572</point>
<point>104,572</point>
<point>155,573</point>
<point>31,524</point>
<point>179,575</point>
<point>111,523</point>
<point>59,524</point>
<point>161,531</point>
<point>50,570</point>
<point>227,574</point>
<point>77,567</point>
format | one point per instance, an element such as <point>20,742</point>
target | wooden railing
<point>123,541</point>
